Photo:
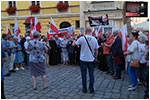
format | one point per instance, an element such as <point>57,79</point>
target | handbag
<point>134,63</point>
<point>117,60</point>
<point>95,61</point>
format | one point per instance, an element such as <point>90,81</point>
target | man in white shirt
<point>87,58</point>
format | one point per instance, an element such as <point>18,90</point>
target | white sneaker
<point>22,68</point>
<point>16,68</point>
<point>132,88</point>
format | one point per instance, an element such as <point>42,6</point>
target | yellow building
<point>48,9</point>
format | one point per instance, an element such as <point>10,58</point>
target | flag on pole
<point>37,26</point>
<point>123,35</point>
<point>49,33</point>
<point>53,26</point>
<point>71,31</point>
<point>31,28</point>
<point>99,31</point>
<point>17,30</point>
<point>7,30</point>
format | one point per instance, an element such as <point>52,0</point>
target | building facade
<point>69,16</point>
<point>114,9</point>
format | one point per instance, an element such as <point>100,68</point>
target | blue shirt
<point>12,43</point>
<point>3,55</point>
<point>37,49</point>
<point>4,43</point>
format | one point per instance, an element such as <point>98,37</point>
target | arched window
<point>64,25</point>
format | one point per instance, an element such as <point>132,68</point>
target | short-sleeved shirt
<point>108,42</point>
<point>37,49</point>
<point>12,43</point>
<point>4,43</point>
<point>85,53</point>
<point>134,47</point>
<point>142,52</point>
<point>3,55</point>
<point>64,43</point>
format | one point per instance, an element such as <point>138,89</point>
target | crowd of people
<point>107,49</point>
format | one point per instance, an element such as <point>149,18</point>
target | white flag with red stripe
<point>17,30</point>
<point>37,26</point>
<point>49,33</point>
<point>31,28</point>
<point>71,31</point>
<point>7,30</point>
<point>123,35</point>
<point>53,26</point>
<point>99,31</point>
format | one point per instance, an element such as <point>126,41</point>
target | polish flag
<point>99,31</point>
<point>31,28</point>
<point>37,26</point>
<point>123,34</point>
<point>53,26</point>
<point>8,30</point>
<point>71,31</point>
<point>49,34</point>
<point>17,30</point>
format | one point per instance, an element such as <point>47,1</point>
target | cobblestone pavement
<point>64,82</point>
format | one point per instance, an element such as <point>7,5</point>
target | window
<point>35,2</point>
<point>77,24</point>
<point>104,29</point>
<point>11,3</point>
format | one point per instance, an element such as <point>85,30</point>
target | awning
<point>28,20</point>
<point>144,26</point>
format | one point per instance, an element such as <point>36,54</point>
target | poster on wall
<point>96,21</point>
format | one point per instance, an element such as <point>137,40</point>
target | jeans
<point>84,66</point>
<point>27,59</point>
<point>6,65</point>
<point>141,71</point>
<point>117,69</point>
<point>109,62</point>
<point>132,75</point>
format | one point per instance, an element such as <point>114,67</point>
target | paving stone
<point>64,82</point>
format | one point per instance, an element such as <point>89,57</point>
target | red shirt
<point>108,42</point>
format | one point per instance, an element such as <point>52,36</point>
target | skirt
<point>37,69</point>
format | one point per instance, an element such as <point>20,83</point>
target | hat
<point>28,38</point>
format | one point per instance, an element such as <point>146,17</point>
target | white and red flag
<point>49,33</point>
<point>99,31</point>
<point>31,29</point>
<point>71,31</point>
<point>53,26</point>
<point>37,25</point>
<point>7,30</point>
<point>17,30</point>
<point>123,34</point>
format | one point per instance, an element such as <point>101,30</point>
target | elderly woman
<point>19,56</point>
<point>133,51</point>
<point>37,59</point>
<point>45,40</point>
<point>64,50</point>
<point>142,49</point>
<point>11,53</point>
